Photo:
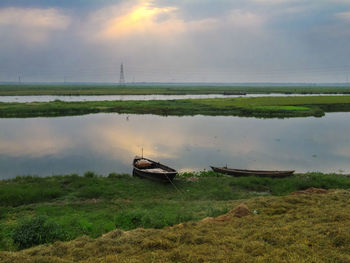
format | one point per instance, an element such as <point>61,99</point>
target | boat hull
<point>166,177</point>
<point>259,173</point>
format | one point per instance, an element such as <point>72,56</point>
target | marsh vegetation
<point>67,207</point>
<point>134,89</point>
<point>265,107</point>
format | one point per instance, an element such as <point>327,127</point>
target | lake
<point>106,143</point>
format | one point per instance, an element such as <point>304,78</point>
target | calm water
<point>107,143</point>
<point>141,97</point>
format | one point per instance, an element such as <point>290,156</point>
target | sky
<point>175,40</point>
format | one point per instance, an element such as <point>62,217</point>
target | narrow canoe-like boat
<point>241,93</point>
<point>152,170</point>
<point>260,173</point>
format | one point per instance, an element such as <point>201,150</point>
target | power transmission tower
<point>122,78</point>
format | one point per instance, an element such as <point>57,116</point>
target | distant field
<point>264,107</point>
<point>76,89</point>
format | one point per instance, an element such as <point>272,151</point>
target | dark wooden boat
<point>260,173</point>
<point>238,93</point>
<point>152,170</point>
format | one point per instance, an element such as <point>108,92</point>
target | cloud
<point>32,24</point>
<point>240,18</point>
<point>50,19</point>
<point>141,18</point>
<point>171,40</point>
<point>274,2</point>
<point>344,16</point>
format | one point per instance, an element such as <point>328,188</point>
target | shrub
<point>17,194</point>
<point>129,219</point>
<point>89,174</point>
<point>31,232</point>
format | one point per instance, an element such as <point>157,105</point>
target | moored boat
<point>152,170</point>
<point>259,173</point>
<point>238,93</point>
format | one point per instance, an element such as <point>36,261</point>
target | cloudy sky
<point>175,40</point>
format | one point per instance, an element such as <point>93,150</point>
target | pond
<point>106,143</point>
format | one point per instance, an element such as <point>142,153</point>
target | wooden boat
<point>149,169</point>
<point>260,173</point>
<point>238,93</point>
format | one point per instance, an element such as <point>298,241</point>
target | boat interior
<point>152,167</point>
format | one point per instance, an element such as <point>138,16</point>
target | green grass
<point>95,89</point>
<point>295,228</point>
<point>282,108</point>
<point>93,205</point>
<point>266,107</point>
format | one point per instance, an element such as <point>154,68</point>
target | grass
<point>92,205</point>
<point>266,107</point>
<point>95,89</point>
<point>282,108</point>
<point>294,228</point>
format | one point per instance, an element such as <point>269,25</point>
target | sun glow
<point>142,18</point>
<point>143,12</point>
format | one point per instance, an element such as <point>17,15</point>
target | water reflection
<point>29,139</point>
<point>107,143</point>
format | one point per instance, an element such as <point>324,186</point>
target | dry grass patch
<point>308,227</point>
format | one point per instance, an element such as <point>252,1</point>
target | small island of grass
<point>264,107</point>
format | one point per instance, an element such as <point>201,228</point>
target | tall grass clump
<point>21,191</point>
<point>39,230</point>
<point>159,215</point>
<point>90,174</point>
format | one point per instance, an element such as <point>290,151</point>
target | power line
<point>121,79</point>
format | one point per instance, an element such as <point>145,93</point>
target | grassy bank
<point>78,89</point>
<point>72,206</point>
<point>295,228</point>
<point>253,107</point>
